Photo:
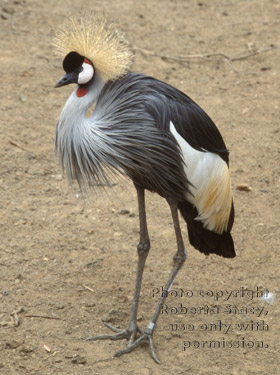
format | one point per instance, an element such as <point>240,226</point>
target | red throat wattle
<point>81,91</point>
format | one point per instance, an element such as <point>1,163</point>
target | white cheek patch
<point>86,74</point>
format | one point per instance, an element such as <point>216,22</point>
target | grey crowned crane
<point>149,132</point>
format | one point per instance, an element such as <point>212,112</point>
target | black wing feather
<point>190,120</point>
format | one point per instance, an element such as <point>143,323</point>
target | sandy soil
<point>67,262</point>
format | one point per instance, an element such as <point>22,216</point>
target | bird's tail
<point>204,240</point>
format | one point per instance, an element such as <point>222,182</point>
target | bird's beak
<point>68,78</point>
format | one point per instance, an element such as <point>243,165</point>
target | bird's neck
<point>74,129</point>
<point>80,101</point>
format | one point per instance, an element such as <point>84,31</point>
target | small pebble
<point>12,344</point>
<point>124,212</point>
<point>4,16</point>
<point>269,298</point>
<point>79,360</point>
<point>22,98</point>
<point>243,187</point>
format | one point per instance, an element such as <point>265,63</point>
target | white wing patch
<point>211,192</point>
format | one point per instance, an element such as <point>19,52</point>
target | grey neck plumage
<point>73,134</point>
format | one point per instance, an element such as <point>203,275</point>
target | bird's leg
<point>143,249</point>
<point>178,261</point>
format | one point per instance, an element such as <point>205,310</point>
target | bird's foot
<point>145,338</point>
<point>129,333</point>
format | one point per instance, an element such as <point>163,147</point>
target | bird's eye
<point>86,74</point>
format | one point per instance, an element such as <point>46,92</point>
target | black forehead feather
<point>72,61</point>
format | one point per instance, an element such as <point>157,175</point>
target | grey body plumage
<point>114,139</point>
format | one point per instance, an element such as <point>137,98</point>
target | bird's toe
<point>130,333</point>
<point>145,338</point>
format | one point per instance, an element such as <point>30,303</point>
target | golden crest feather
<point>97,40</point>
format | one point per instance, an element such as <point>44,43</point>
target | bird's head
<point>79,69</point>
<point>91,46</point>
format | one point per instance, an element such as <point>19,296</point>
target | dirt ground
<point>67,262</point>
